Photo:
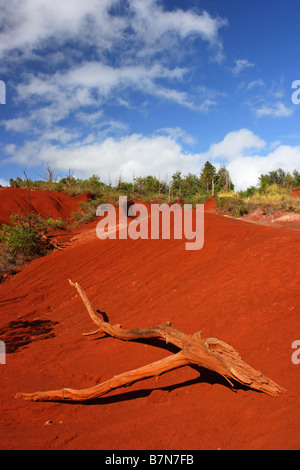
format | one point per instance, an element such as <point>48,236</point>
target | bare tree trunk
<point>209,353</point>
<point>49,174</point>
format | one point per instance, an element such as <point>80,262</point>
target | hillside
<point>242,288</point>
<point>57,205</point>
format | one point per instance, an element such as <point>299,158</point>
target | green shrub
<point>272,198</point>
<point>88,211</point>
<point>241,210</point>
<point>22,241</point>
<point>234,206</point>
<point>55,223</point>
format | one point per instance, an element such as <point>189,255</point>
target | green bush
<point>55,223</point>
<point>234,206</point>
<point>241,210</point>
<point>22,241</point>
<point>88,211</point>
<point>24,236</point>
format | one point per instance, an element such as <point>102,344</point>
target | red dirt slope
<point>242,288</point>
<point>47,204</point>
<point>296,193</point>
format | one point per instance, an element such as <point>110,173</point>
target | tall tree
<point>208,176</point>
<point>176,182</point>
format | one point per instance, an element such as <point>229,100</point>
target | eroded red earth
<point>242,288</point>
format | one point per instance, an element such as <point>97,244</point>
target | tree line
<point>210,180</point>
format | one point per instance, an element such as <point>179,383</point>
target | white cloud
<point>234,144</point>
<point>245,170</point>
<point>66,91</point>
<point>130,32</point>
<point>3,182</point>
<point>29,24</point>
<point>16,124</point>
<point>268,100</point>
<point>111,158</point>
<point>10,149</point>
<point>177,134</point>
<point>245,155</point>
<point>256,83</point>
<point>104,78</point>
<point>50,102</point>
<point>241,64</point>
<point>274,110</point>
<point>53,98</point>
<point>152,22</point>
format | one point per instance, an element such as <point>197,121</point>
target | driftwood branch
<point>209,353</point>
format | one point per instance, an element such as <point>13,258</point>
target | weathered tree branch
<point>209,353</point>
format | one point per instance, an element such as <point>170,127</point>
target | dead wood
<point>209,353</point>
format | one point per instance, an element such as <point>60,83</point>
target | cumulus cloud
<point>245,155</point>
<point>235,144</point>
<point>130,155</point>
<point>245,170</point>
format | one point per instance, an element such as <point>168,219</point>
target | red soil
<point>276,219</point>
<point>242,288</point>
<point>47,204</point>
<point>296,192</point>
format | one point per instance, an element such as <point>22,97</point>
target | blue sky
<point>127,88</point>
